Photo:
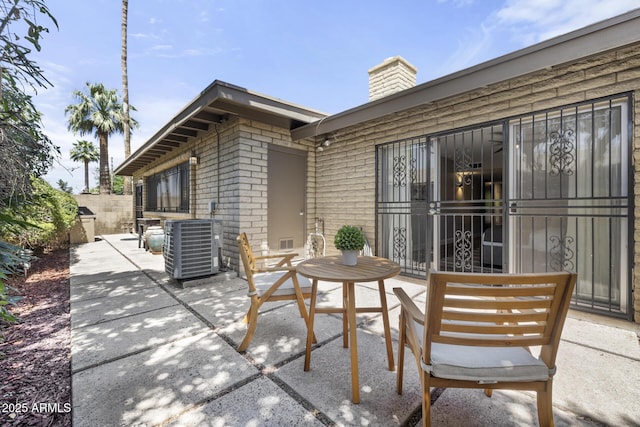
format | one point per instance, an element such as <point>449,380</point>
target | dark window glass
<point>168,191</point>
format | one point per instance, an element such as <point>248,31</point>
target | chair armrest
<point>286,258</point>
<point>409,306</point>
<point>272,269</point>
<point>287,255</point>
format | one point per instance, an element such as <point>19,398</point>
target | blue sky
<point>314,54</point>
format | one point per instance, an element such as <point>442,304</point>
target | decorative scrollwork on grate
<point>561,254</point>
<point>561,151</point>
<point>399,243</point>
<point>414,170</point>
<point>463,165</point>
<point>463,251</point>
<point>400,171</point>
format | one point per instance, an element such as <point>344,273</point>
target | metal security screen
<point>468,199</point>
<point>548,191</point>
<point>404,228</point>
<point>569,199</point>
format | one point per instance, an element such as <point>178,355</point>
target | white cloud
<point>521,23</point>
<point>537,20</point>
<point>458,3</point>
<point>162,47</point>
<point>475,43</point>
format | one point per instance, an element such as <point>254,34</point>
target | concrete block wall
<point>114,213</point>
<point>347,196</point>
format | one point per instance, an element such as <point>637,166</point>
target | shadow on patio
<point>146,352</point>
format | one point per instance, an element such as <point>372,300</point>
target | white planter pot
<point>349,257</point>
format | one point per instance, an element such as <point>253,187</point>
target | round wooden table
<point>331,269</point>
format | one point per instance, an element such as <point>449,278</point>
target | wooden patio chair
<point>267,284</point>
<point>477,330</point>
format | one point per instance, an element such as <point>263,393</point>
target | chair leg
<point>488,392</point>
<point>252,312</point>
<point>426,398</point>
<point>252,320</point>
<point>401,345</point>
<point>545,406</point>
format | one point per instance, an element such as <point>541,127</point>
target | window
<point>168,191</point>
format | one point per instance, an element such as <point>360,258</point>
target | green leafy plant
<point>349,238</point>
<point>24,148</point>
<point>13,260</point>
<point>43,222</point>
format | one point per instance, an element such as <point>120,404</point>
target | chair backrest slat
<point>494,329</point>
<point>248,261</point>
<point>246,253</point>
<point>470,316</point>
<point>497,304</point>
<point>501,290</point>
<point>496,310</point>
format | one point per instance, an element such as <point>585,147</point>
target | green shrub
<point>50,212</point>
<point>13,259</point>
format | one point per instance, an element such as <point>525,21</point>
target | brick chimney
<point>393,75</point>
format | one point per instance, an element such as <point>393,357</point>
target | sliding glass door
<point>548,191</point>
<point>569,198</point>
<point>404,187</point>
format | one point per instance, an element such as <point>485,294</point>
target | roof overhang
<point>218,101</point>
<point>597,38</point>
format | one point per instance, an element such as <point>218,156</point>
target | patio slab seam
<point>125,316</point>
<point>314,410</point>
<point>263,371</point>
<point>133,353</point>
<point>613,353</point>
<point>219,394</point>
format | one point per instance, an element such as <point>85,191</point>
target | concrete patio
<point>148,352</point>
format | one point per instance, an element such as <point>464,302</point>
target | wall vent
<point>285,244</point>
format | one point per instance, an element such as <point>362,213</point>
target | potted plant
<point>350,240</point>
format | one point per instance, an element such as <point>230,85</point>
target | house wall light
<point>325,144</point>
<point>193,160</point>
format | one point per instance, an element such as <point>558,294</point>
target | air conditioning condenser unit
<point>192,247</point>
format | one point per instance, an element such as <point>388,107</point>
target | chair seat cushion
<point>485,364</point>
<point>264,281</point>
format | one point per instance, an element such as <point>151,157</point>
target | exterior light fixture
<point>323,145</point>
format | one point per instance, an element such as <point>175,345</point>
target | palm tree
<point>84,151</point>
<point>98,111</point>
<point>125,93</point>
